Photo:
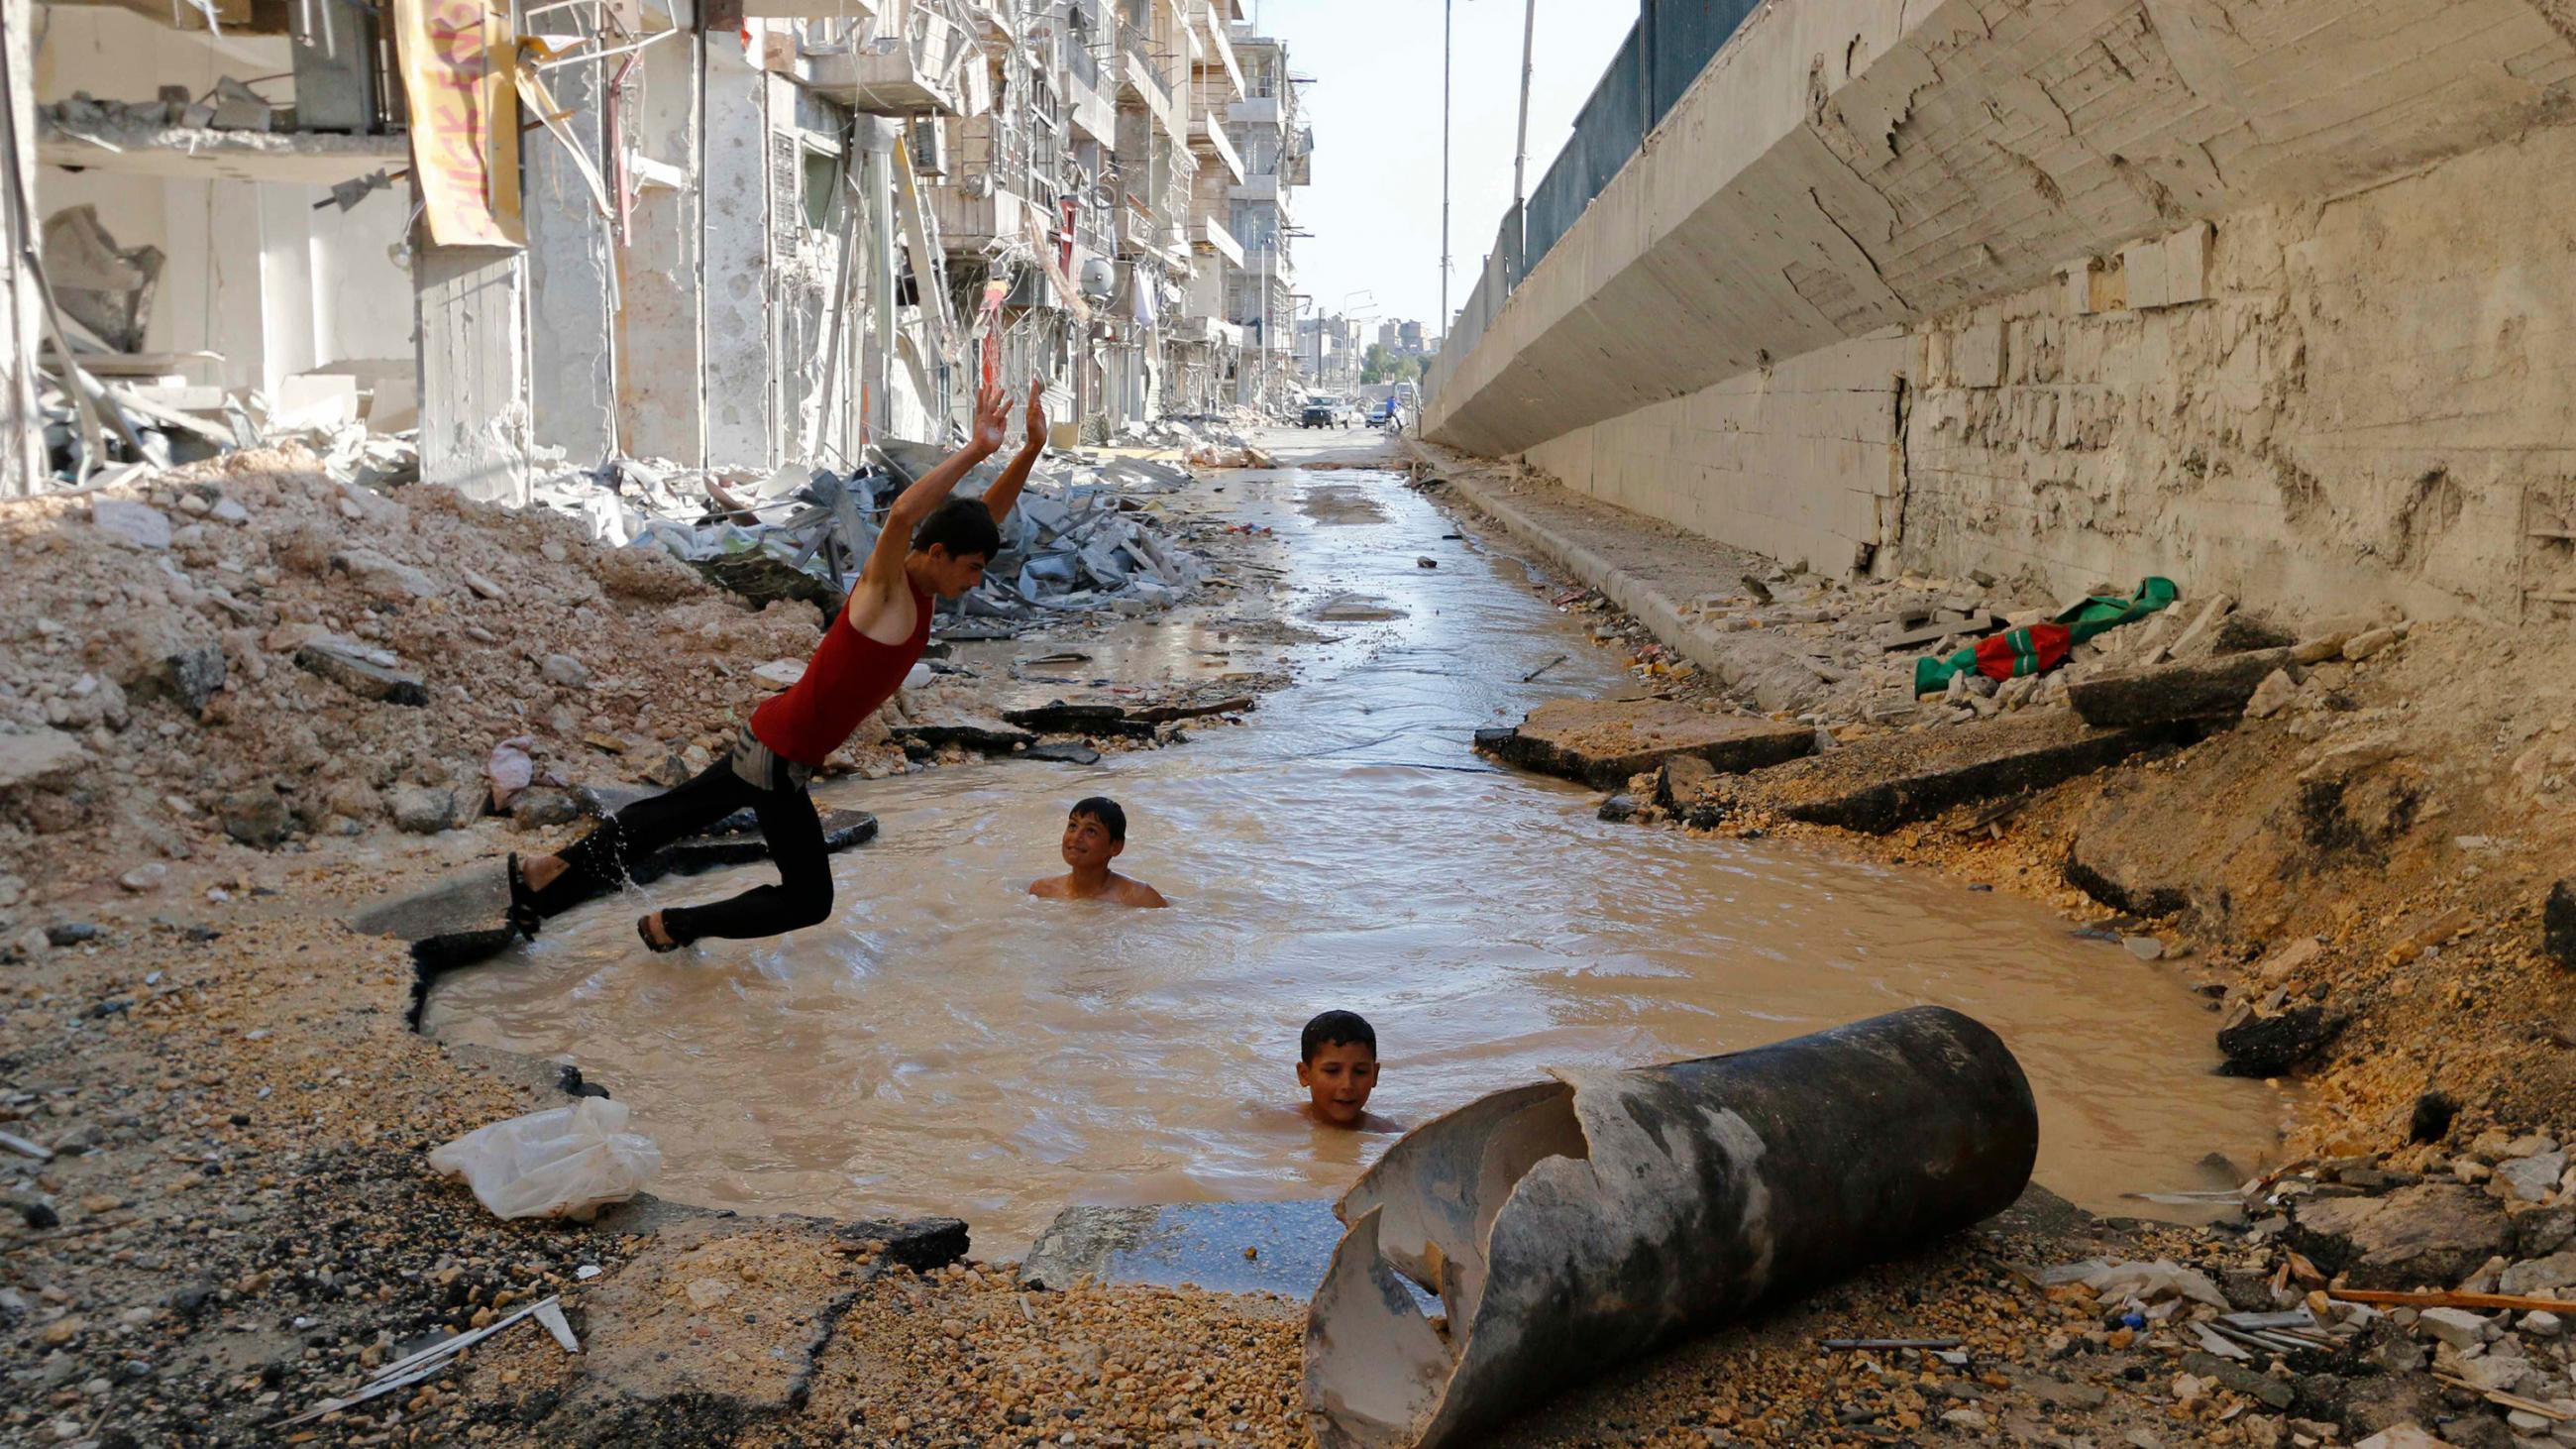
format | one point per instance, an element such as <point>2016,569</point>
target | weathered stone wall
<point>2274,300</point>
<point>1798,461</point>
<point>1844,166</point>
<point>2362,400</point>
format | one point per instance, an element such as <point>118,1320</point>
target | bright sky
<point>1375,206</point>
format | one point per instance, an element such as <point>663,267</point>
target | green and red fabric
<point>2039,648</point>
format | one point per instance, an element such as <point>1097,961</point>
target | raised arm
<point>912,505</point>
<point>1005,491</point>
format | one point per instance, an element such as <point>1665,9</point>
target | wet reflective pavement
<point>948,1044</point>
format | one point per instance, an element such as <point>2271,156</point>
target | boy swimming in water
<point>1095,833</point>
<point>1337,1065</point>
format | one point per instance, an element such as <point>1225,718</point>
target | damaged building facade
<point>739,234</point>
<point>2273,299</point>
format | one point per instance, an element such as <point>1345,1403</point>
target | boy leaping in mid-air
<point>932,545</point>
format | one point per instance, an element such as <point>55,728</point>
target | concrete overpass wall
<point>2369,403</point>
<point>1779,323</point>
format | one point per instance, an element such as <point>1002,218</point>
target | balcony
<point>892,83</point>
<point>971,223</point>
<point>1140,80</point>
<point>1209,139</point>
<point>1213,237</point>
<point>1088,104</point>
<point>1217,62</point>
<point>1208,332</point>
<point>1258,111</point>
<point>1264,189</point>
<point>184,153</point>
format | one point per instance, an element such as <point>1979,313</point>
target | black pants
<point>802,897</point>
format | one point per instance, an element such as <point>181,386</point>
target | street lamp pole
<point>1520,148</point>
<point>1446,7</point>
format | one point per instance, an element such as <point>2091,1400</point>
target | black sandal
<point>523,915</point>
<point>658,948</point>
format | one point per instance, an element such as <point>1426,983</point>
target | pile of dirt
<point>250,651</point>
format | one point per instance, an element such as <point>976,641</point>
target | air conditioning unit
<point>929,143</point>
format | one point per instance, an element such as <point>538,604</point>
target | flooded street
<point>947,1044</point>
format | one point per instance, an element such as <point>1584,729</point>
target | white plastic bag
<point>564,1162</point>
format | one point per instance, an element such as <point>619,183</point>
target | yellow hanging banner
<point>459,63</point>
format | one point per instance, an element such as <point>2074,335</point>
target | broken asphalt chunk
<point>2207,689</point>
<point>1876,784</point>
<point>1601,743</point>
<point>366,673</point>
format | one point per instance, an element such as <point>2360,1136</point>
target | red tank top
<point>848,677</point>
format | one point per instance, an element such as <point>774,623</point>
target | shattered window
<point>822,188</point>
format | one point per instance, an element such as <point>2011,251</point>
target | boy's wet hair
<point>965,525</point>
<point>1335,1028</point>
<point>1104,810</point>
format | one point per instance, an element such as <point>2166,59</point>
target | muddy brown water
<point>946,1044</point>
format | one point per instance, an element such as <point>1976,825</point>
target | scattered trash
<point>402,1373</point>
<point>1846,1345</point>
<point>1544,668</point>
<point>561,1162</point>
<point>25,1148</point>
<point>2139,1283</point>
<point>2038,648</point>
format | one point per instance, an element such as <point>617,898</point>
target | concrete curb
<point>1723,656</point>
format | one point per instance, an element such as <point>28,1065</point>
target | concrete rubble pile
<point>1840,654</point>
<point>2371,1300</point>
<point>1081,540</point>
<point>231,105</point>
<point>251,650</point>
<point>1207,442</point>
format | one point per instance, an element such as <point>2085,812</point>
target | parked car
<point>1318,414</point>
<point>1387,414</point>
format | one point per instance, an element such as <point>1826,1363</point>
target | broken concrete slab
<point>1223,1247</point>
<point>2276,1045</point>
<point>718,1322</point>
<point>1965,626</point>
<point>1060,718</point>
<point>2243,633</point>
<point>923,739</point>
<point>1602,742</point>
<point>1680,781</point>
<point>2215,688</point>
<point>2435,1233</point>
<point>366,673</point>
<point>1876,784</point>
<point>39,757</point>
<point>1165,713</point>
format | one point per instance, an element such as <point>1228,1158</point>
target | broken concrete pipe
<point>1573,1224</point>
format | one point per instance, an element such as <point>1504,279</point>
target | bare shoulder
<point>1051,888</point>
<point>1132,892</point>
<point>881,610</point>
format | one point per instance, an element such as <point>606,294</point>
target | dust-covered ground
<point>237,1222</point>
